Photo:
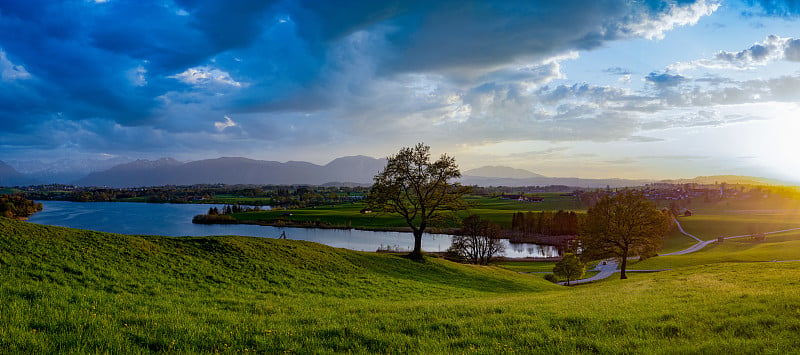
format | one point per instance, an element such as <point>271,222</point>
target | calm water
<point>176,220</point>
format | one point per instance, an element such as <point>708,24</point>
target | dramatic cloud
<point>773,48</point>
<point>671,16</point>
<point>301,76</point>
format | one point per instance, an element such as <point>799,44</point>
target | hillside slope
<point>74,291</point>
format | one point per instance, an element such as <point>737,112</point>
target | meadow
<point>711,226</point>
<point>349,215</point>
<point>74,291</point>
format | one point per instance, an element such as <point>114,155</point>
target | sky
<point>592,89</point>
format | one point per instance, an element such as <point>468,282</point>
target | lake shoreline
<point>321,225</point>
<point>175,220</point>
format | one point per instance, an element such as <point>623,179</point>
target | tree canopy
<point>570,267</point>
<point>478,240</point>
<point>623,225</point>
<point>417,189</point>
<point>15,206</point>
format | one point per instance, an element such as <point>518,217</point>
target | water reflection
<point>529,250</point>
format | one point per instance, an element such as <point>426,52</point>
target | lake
<point>176,220</point>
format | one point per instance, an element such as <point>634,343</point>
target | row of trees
<point>546,223</point>
<point>231,209</point>
<point>275,195</point>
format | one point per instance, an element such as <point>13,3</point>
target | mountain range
<point>11,177</point>
<point>167,171</point>
<point>345,171</point>
<point>64,170</point>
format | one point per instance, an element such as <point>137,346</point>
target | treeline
<point>214,214</point>
<point>287,196</point>
<point>231,209</point>
<point>15,206</point>
<point>546,223</point>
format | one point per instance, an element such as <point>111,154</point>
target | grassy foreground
<point>73,291</point>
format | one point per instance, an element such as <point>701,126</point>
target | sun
<point>775,143</point>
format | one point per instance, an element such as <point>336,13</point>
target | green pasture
<point>738,206</point>
<point>75,291</point>
<point>711,226</point>
<point>348,215</point>
<point>342,215</point>
<point>784,246</point>
<point>241,200</point>
<point>676,241</point>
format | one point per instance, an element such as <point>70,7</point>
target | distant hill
<point>346,171</point>
<point>11,177</point>
<point>500,172</point>
<point>506,176</point>
<point>167,171</point>
<point>728,179</point>
<point>548,181</point>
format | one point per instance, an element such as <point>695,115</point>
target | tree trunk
<point>623,265</point>
<point>417,252</point>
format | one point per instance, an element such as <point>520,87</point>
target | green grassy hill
<point>73,291</point>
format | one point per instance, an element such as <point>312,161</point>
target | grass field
<point>348,215</point>
<point>67,291</point>
<point>711,226</point>
<point>343,215</point>
<point>784,246</point>
<point>729,206</point>
<point>676,241</point>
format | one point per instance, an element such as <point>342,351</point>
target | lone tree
<point>478,240</point>
<point>623,226</point>
<point>570,267</point>
<point>418,189</point>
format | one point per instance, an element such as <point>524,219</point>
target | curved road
<point>606,270</point>
<point>610,266</point>
<point>703,243</point>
